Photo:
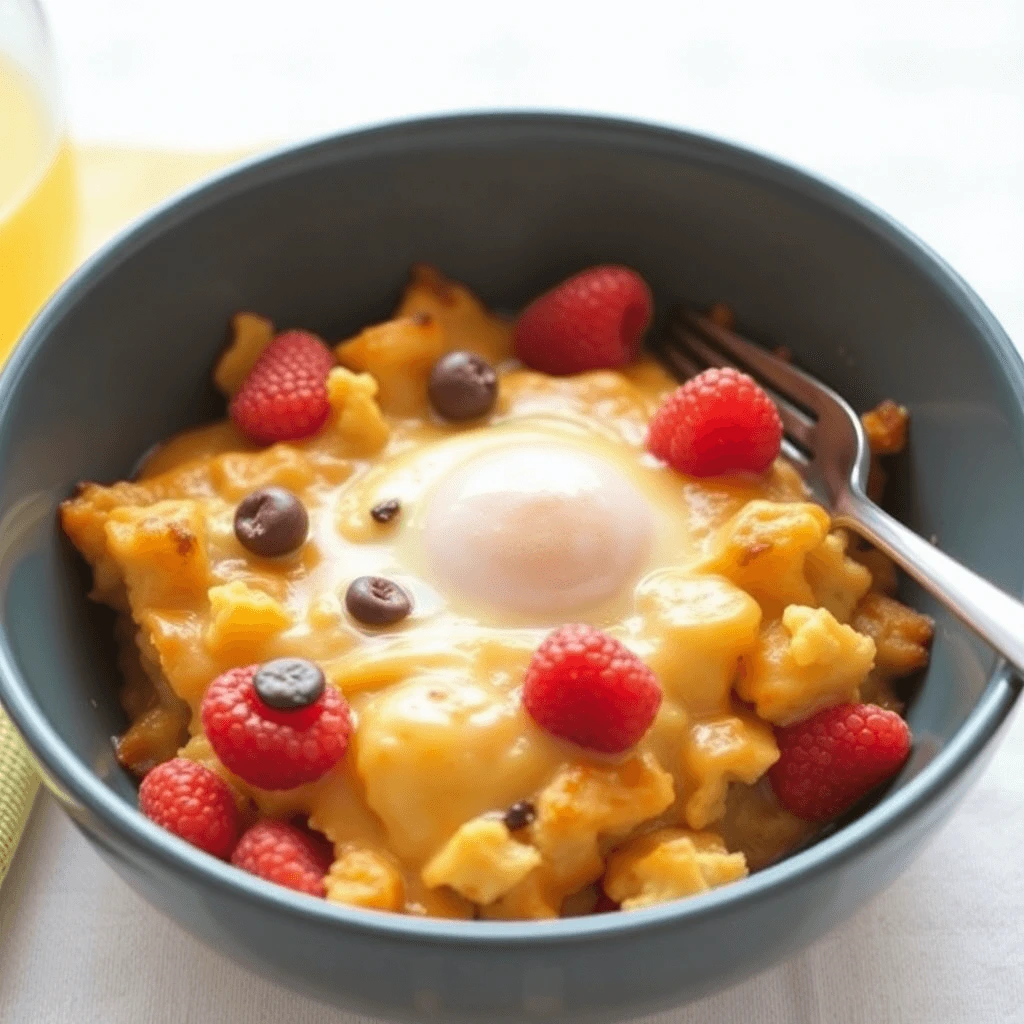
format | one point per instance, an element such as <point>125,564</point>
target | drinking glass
<point>37,181</point>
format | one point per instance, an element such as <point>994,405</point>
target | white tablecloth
<point>918,105</point>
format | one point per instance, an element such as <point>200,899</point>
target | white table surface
<point>918,105</point>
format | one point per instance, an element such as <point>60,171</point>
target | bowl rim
<point>79,789</point>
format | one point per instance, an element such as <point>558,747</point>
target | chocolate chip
<point>376,601</point>
<point>519,815</point>
<point>462,386</point>
<point>289,684</point>
<point>271,522</point>
<point>385,511</point>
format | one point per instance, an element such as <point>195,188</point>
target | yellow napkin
<point>18,784</point>
<point>116,186</point>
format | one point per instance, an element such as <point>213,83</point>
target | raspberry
<point>284,854</point>
<point>829,761</point>
<point>284,397</point>
<point>271,748</point>
<point>592,321</point>
<point>718,422</point>
<point>585,686</point>
<point>192,802</point>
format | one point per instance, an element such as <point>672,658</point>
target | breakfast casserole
<point>468,616</point>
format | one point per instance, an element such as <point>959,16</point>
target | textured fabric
<point>18,784</point>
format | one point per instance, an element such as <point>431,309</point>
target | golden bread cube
<point>763,549</point>
<point>365,878</point>
<point>84,519</point>
<point>586,802</point>
<point>582,810</point>
<point>465,321</point>
<point>400,354</point>
<point>837,581</point>
<point>668,865</point>
<point>901,635</point>
<point>886,427</point>
<point>804,663</point>
<point>160,550</point>
<point>356,419</point>
<point>481,861</point>
<point>731,748</point>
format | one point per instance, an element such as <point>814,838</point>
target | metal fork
<point>825,441</point>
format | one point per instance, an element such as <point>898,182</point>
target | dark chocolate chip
<point>519,815</point>
<point>376,601</point>
<point>385,511</point>
<point>271,522</point>
<point>289,684</point>
<point>462,386</point>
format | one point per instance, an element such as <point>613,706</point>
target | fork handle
<point>993,614</point>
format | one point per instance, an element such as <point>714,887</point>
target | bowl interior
<point>323,238</point>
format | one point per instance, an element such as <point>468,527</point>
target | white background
<point>917,105</point>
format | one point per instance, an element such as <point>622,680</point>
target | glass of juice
<point>37,183</point>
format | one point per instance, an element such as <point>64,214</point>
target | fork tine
<point>796,423</point>
<point>678,361</point>
<point>797,457</point>
<point>786,380</point>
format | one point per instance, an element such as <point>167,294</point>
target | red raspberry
<point>284,854</point>
<point>592,321</point>
<point>192,802</point>
<point>718,422</point>
<point>584,686</point>
<point>271,748</point>
<point>284,397</point>
<point>830,760</point>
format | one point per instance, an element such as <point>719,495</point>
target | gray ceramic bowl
<point>323,236</point>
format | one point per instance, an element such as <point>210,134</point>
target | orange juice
<point>37,204</point>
